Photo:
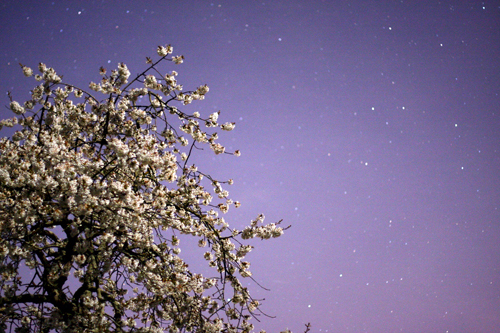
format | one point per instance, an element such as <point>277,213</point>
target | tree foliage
<point>95,190</point>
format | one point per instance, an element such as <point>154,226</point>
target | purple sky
<point>370,126</point>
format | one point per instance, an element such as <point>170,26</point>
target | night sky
<point>372,127</point>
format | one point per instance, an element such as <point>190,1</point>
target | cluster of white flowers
<point>27,71</point>
<point>178,59</point>
<point>164,50</point>
<point>172,81</point>
<point>48,73</point>
<point>95,193</point>
<point>17,108</point>
<point>261,231</point>
<point>122,74</point>
<point>228,126</point>
<point>187,98</point>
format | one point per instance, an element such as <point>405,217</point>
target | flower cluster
<point>94,193</point>
<point>164,50</point>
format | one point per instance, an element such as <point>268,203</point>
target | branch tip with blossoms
<point>93,193</point>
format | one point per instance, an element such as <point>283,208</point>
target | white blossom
<point>164,50</point>
<point>228,126</point>
<point>17,108</point>
<point>217,148</point>
<point>178,59</point>
<point>27,71</point>
<point>96,195</point>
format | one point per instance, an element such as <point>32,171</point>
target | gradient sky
<point>372,127</point>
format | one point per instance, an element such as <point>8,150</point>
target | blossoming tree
<point>95,190</point>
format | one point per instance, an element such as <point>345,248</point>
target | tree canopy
<point>96,188</point>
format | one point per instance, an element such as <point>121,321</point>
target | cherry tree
<point>96,188</point>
